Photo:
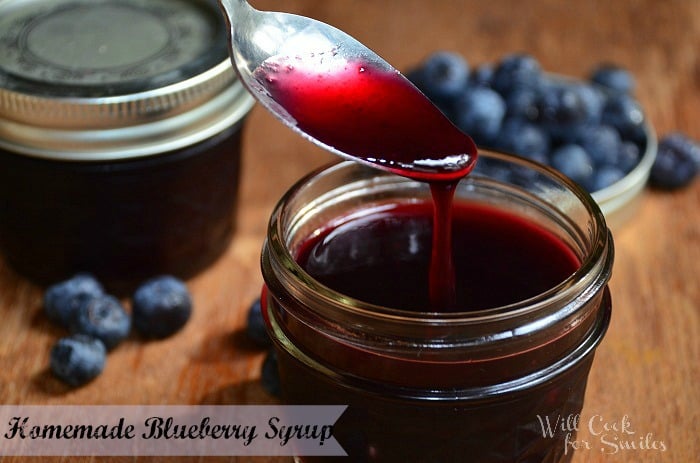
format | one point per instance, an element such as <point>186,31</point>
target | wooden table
<point>647,367</point>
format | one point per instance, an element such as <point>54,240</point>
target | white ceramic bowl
<point>620,200</point>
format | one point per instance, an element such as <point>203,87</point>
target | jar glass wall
<point>124,221</point>
<point>431,387</point>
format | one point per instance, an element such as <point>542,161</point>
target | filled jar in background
<point>120,138</point>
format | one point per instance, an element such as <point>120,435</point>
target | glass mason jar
<point>440,387</point>
<point>120,138</point>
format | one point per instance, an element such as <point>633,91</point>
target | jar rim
<point>599,258</point>
<point>165,133</point>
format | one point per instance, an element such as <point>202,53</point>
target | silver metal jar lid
<point>114,79</point>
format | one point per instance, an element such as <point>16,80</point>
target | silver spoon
<point>261,40</point>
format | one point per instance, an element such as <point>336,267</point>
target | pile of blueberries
<point>98,321</point>
<point>592,131</point>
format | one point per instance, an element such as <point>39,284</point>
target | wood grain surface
<point>647,366</point>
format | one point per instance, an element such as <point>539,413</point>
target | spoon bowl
<point>339,94</point>
<point>256,36</point>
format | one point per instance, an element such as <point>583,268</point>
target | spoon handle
<point>232,8</point>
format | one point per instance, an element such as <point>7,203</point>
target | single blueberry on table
<point>518,70</point>
<point>255,328</point>
<point>269,374</point>
<point>677,162</point>
<point>681,142</point>
<point>161,306</point>
<point>77,359</point>
<point>442,76</point>
<point>102,317</point>
<point>62,299</point>
<point>574,162</point>
<point>613,77</point>
<point>479,112</point>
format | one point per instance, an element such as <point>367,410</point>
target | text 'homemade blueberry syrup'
<point>376,116</point>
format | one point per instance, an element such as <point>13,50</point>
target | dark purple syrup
<point>498,258</point>
<point>370,114</point>
<point>413,409</point>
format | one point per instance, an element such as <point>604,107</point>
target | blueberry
<point>161,306</point>
<point>479,112</point>
<point>677,162</point>
<point>561,110</point>
<point>102,317</point>
<point>625,114</point>
<point>443,76</point>
<point>255,328</point>
<point>682,142</point>
<point>78,359</point>
<point>523,138</point>
<point>61,300</point>
<point>518,70</point>
<point>614,78</point>
<point>481,76</point>
<point>629,156</point>
<point>522,102</point>
<point>604,177</point>
<point>601,142</point>
<point>574,162</point>
<point>269,374</point>
<point>593,100</point>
